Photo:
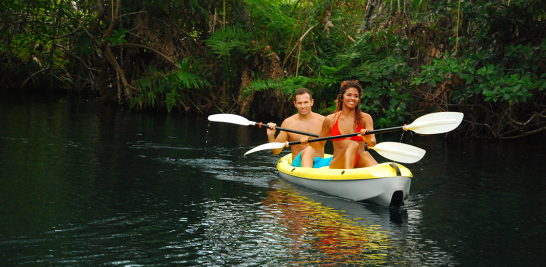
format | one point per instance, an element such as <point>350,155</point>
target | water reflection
<point>314,224</point>
<point>329,230</point>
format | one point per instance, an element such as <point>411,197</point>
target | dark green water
<point>85,185</point>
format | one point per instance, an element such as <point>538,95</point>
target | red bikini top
<point>335,131</point>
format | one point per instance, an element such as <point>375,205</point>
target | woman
<point>349,153</point>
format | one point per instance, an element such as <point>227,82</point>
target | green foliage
<point>287,86</point>
<point>84,46</point>
<point>225,42</point>
<point>382,78</point>
<point>272,17</point>
<point>118,37</point>
<point>170,88</point>
<point>490,82</point>
<point>424,56</point>
<point>384,96</point>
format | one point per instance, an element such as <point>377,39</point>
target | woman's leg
<point>307,157</point>
<point>366,160</point>
<point>346,159</point>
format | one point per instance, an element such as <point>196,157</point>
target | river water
<point>87,185</point>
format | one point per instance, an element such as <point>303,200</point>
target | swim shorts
<point>317,163</point>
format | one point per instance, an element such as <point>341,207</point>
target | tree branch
<point>34,74</point>
<point>146,47</point>
<point>112,59</point>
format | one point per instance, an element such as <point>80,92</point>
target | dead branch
<point>34,74</point>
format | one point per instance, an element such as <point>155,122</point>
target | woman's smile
<point>351,97</point>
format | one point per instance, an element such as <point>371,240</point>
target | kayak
<point>386,184</point>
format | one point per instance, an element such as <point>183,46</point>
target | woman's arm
<point>326,124</point>
<point>367,121</point>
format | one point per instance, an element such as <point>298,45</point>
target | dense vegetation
<point>484,58</point>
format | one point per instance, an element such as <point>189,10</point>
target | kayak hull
<point>386,184</point>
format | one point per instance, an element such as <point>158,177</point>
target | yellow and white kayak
<point>386,184</point>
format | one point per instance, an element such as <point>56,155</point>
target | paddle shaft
<point>386,130</point>
<point>286,130</point>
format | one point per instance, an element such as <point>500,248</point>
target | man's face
<point>303,103</point>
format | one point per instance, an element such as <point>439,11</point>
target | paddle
<point>433,123</point>
<point>394,151</point>
<point>236,119</point>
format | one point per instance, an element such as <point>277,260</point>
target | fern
<point>169,86</point>
<point>287,86</point>
<point>272,15</point>
<point>223,42</point>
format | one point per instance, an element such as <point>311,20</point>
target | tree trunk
<point>367,21</point>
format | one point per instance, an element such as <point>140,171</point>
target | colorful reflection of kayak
<point>343,231</point>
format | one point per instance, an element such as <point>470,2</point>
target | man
<point>305,121</point>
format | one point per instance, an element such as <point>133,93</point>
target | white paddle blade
<point>230,118</point>
<point>267,146</point>
<point>435,123</point>
<point>399,152</point>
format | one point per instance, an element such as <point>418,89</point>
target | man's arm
<point>282,137</point>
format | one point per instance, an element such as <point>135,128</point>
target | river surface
<point>88,185</point>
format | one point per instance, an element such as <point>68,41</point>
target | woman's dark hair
<point>339,103</point>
